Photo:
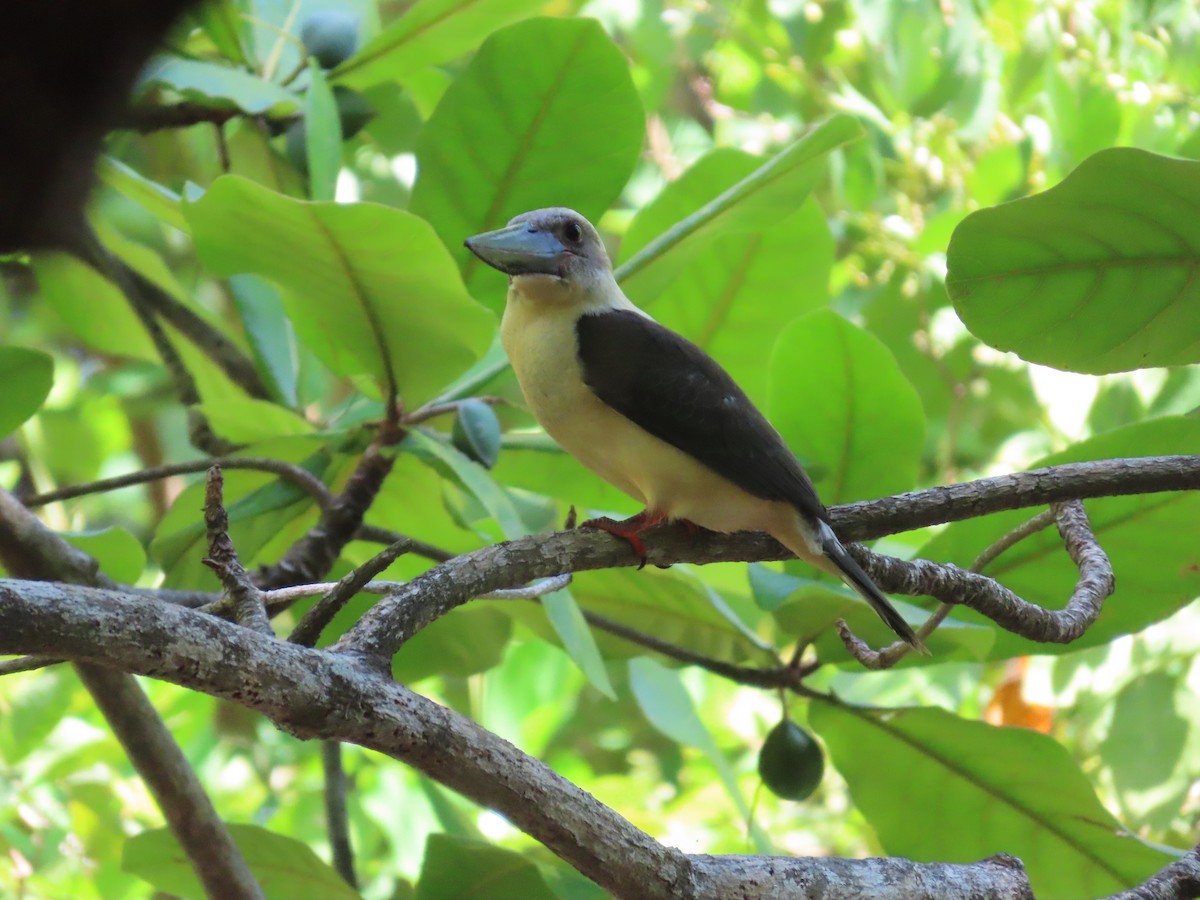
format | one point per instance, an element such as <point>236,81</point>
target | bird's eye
<point>572,232</point>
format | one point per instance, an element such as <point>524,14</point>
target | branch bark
<point>322,694</point>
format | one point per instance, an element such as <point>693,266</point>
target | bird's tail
<point>834,558</point>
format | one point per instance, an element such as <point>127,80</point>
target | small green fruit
<point>477,432</point>
<point>330,36</point>
<point>791,762</point>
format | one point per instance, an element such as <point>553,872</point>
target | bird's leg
<point>628,530</point>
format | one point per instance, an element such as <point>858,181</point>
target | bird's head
<point>550,255</point>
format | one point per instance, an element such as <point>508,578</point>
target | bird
<point>646,409</point>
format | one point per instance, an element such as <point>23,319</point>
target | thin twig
<point>242,598</point>
<point>146,118</point>
<point>431,410</point>
<point>289,472</point>
<point>27,664</point>
<point>337,821</point>
<point>377,535</point>
<point>897,650</point>
<point>309,628</point>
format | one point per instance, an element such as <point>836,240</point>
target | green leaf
<point>218,85</point>
<point>91,306</point>
<point>1147,735</point>
<point>465,641</point>
<point>121,555</point>
<point>733,298</point>
<point>1097,274</point>
<point>460,868</point>
<point>573,630</point>
<point>322,135</point>
<point>546,114</point>
<point>842,404</point>
<point>33,706</point>
<point>430,32</point>
<point>997,790</point>
<point>473,477</point>
<point>272,340</point>
<point>1148,538</point>
<point>162,203</point>
<point>27,376</point>
<point>286,868</point>
<point>245,420</point>
<point>668,707</point>
<point>221,21</point>
<point>259,505</point>
<point>369,289</point>
<point>673,606</point>
<point>776,189</point>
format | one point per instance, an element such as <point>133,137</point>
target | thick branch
<point>316,693</point>
<point>1037,487</point>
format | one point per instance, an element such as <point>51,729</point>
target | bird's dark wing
<point>671,388</point>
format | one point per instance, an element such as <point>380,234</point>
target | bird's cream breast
<point>541,343</point>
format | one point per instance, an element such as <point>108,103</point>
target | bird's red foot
<point>628,530</point>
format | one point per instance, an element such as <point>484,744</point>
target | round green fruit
<point>330,36</point>
<point>791,762</point>
<point>477,432</point>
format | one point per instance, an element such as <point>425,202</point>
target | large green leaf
<point>990,790</point>
<point>430,32</point>
<point>26,376</point>
<point>157,200</point>
<point>672,606</point>
<point>545,115</point>
<point>370,290</point>
<point>733,297</point>
<point>219,85</point>
<point>1097,274</point>
<point>667,705</point>
<point>461,868</point>
<point>659,247</point>
<point>91,306</point>
<point>285,868</point>
<point>1150,539</point>
<point>841,402</point>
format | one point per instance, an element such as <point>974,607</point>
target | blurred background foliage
<point>844,143</point>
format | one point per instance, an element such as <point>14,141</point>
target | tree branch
<point>951,584</point>
<point>244,600</point>
<point>388,624</point>
<point>321,694</point>
<point>1094,586</point>
<point>336,819</point>
<point>1178,881</point>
